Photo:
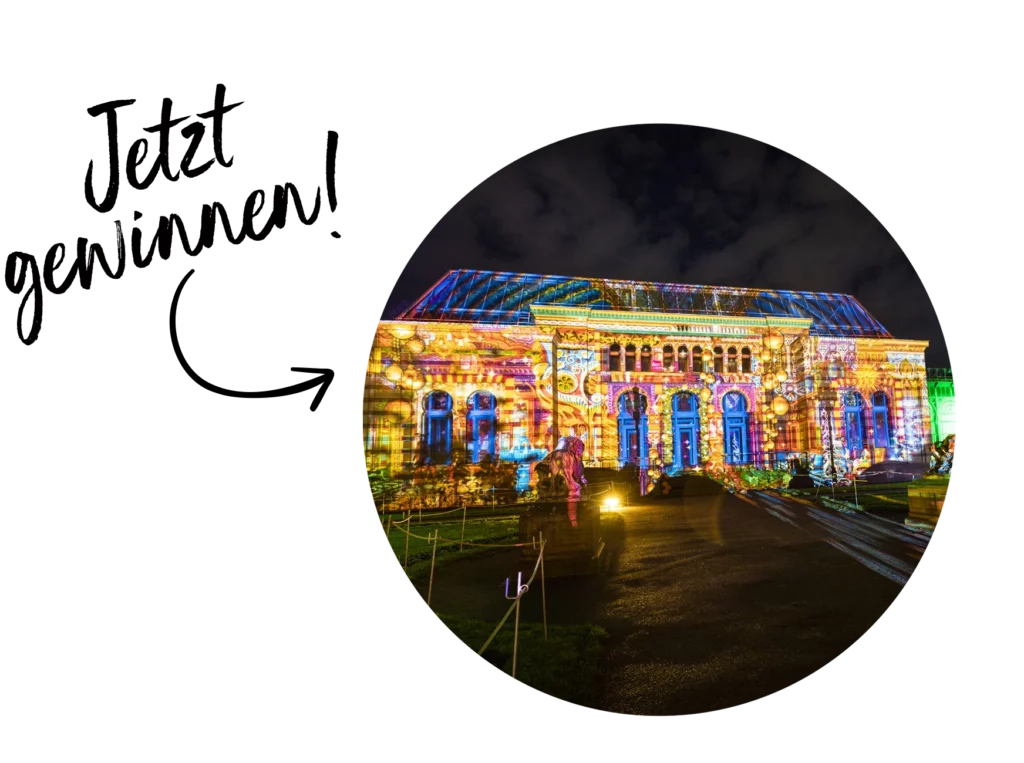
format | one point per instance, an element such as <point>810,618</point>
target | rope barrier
<point>488,545</point>
<point>470,520</point>
<point>431,513</point>
<point>467,543</point>
<point>515,603</point>
<point>591,488</point>
<point>411,534</point>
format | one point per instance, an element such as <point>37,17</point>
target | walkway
<point>713,601</point>
<point>718,601</point>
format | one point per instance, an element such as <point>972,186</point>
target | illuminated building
<point>665,376</point>
<point>941,400</point>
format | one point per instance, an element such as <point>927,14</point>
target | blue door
<point>437,426</point>
<point>736,424</point>
<point>632,443</point>
<point>685,438</point>
<point>880,406</point>
<point>480,419</point>
<point>685,430</point>
<point>854,422</point>
<point>632,448</point>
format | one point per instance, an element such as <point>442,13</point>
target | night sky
<point>683,205</point>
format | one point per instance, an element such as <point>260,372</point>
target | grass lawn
<point>569,665</point>
<point>455,515</point>
<point>875,496</point>
<point>885,499</point>
<point>504,530</point>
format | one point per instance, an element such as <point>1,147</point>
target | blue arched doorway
<point>853,414</point>
<point>632,440</point>
<point>736,423</point>
<point>480,425</point>
<point>685,430</point>
<point>437,427</point>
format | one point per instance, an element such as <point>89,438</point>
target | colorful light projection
<point>773,374</point>
<point>731,378</point>
<point>481,296</point>
<point>575,366</point>
<point>942,400</point>
<point>684,426</point>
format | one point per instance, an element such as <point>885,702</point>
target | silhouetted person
<point>664,487</point>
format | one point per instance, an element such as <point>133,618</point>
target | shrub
<point>761,479</point>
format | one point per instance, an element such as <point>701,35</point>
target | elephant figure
<point>562,466</point>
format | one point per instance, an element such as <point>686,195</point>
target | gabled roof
<point>483,296</point>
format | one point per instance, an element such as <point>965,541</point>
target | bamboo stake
<point>408,532</point>
<point>543,591</point>
<point>433,555</point>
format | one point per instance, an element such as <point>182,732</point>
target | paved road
<point>713,601</point>
<point>719,601</point>
<point>881,545</point>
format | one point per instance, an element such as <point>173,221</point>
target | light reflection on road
<point>884,547</point>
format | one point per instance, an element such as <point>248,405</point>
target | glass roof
<point>482,296</point>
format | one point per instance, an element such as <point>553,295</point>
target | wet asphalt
<point>711,601</point>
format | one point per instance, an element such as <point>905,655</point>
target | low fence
<point>425,512</point>
<point>852,488</point>
<point>405,526</point>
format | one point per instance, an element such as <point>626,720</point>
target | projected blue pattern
<point>481,296</point>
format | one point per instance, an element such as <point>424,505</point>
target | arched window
<point>632,422</point>
<point>696,356</point>
<point>684,402</point>
<point>615,357</point>
<point>745,360</point>
<point>735,426</point>
<point>645,358</point>
<point>945,418</point>
<point>437,427</point>
<point>480,413</point>
<point>683,359</point>
<point>880,419</point>
<point>853,414</point>
<point>630,357</point>
<point>668,359</point>
<point>733,365</point>
<point>685,430</point>
<point>719,360</point>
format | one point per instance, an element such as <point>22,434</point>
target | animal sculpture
<point>942,456</point>
<point>561,471</point>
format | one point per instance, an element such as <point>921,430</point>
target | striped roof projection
<point>482,296</point>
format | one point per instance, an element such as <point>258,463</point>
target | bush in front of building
<point>763,479</point>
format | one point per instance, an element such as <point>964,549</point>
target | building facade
<point>495,366</point>
<point>943,403</point>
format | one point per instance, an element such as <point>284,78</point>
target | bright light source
<point>611,502</point>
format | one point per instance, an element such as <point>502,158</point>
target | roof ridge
<point>638,282</point>
<point>485,296</point>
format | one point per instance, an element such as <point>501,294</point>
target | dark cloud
<point>680,204</point>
